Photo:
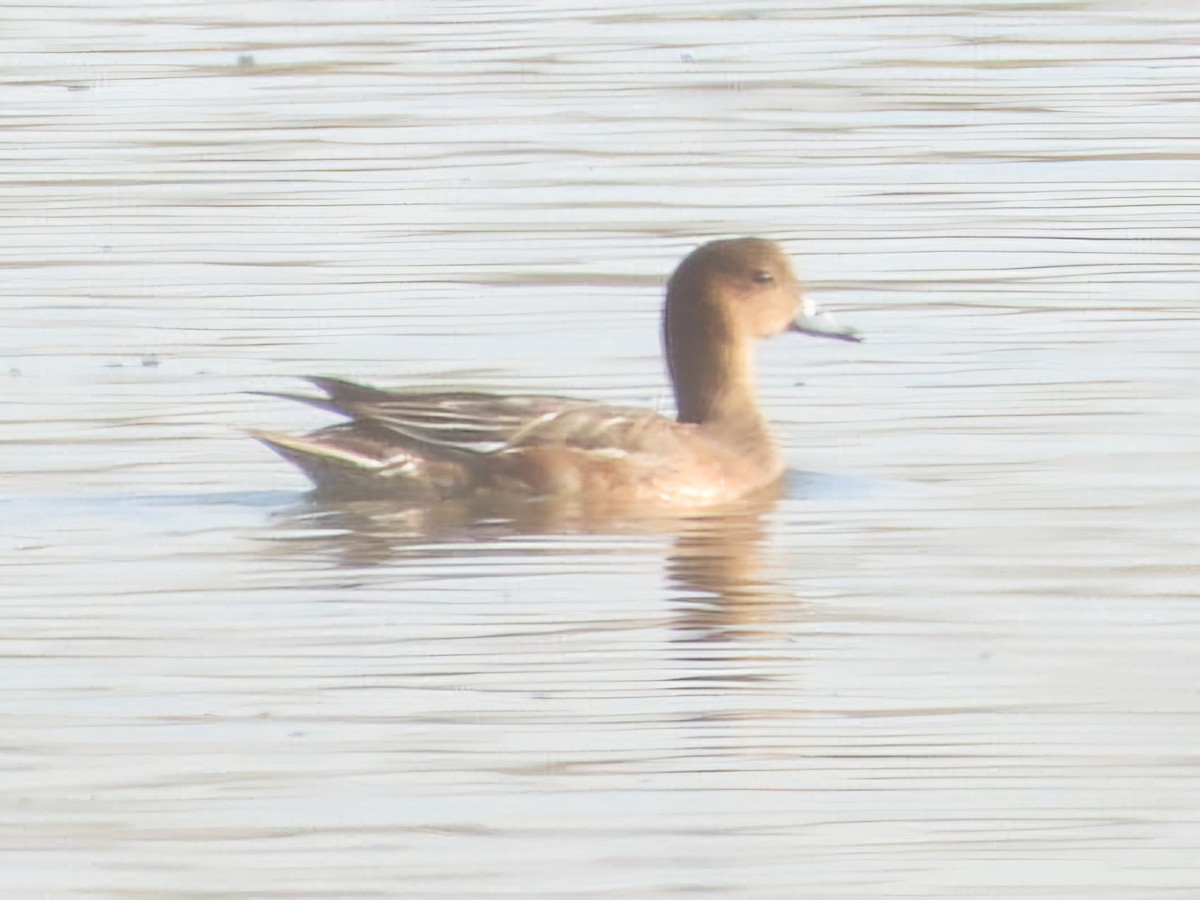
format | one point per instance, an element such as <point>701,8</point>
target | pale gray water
<point>959,658</point>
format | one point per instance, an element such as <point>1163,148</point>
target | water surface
<point>956,658</point>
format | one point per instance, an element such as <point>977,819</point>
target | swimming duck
<point>424,447</point>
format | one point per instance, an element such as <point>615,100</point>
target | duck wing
<point>454,420</point>
<point>435,444</point>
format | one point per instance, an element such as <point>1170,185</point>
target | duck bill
<point>818,323</point>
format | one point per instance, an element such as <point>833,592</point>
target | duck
<point>423,447</point>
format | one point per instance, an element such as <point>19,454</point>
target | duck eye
<point>762,276</point>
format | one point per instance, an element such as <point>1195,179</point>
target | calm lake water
<point>958,658</point>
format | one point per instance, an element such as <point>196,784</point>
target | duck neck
<point>712,373</point>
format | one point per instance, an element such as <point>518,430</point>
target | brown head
<point>722,299</point>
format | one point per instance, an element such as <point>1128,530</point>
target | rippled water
<point>957,658</point>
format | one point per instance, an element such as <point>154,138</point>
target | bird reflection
<point>715,565</point>
<point>719,571</point>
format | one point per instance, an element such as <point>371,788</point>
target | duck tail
<point>342,462</point>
